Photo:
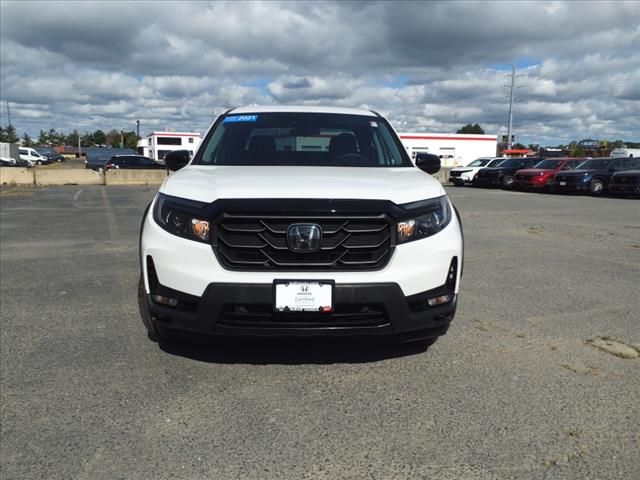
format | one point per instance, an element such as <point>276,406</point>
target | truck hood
<point>209,183</point>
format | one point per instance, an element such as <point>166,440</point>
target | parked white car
<point>464,175</point>
<point>32,156</point>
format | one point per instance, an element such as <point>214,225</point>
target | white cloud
<point>427,66</point>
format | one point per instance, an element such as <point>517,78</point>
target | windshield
<point>597,164</point>
<point>305,139</point>
<point>480,162</point>
<point>511,163</point>
<point>548,164</point>
<point>496,162</point>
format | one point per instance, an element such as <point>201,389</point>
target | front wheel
<point>507,181</point>
<point>596,187</point>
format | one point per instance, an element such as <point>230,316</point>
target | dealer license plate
<point>562,184</point>
<point>303,296</point>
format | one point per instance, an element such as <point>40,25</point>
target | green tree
<point>52,137</point>
<point>131,140</point>
<point>468,128</point>
<point>99,137</point>
<point>112,138</point>
<point>8,134</point>
<point>534,147</point>
<point>72,138</point>
<point>86,139</point>
<point>27,141</point>
<point>576,150</point>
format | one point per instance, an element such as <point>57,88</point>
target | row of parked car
<point>615,175</point>
<point>30,157</point>
<point>122,161</point>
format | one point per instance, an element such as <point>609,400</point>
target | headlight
<point>180,223</point>
<point>434,215</point>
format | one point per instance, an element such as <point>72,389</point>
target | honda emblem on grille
<point>303,237</point>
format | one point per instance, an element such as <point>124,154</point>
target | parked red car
<point>542,174</point>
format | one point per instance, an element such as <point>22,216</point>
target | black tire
<point>38,162</point>
<point>596,187</point>
<point>145,314</point>
<point>507,182</point>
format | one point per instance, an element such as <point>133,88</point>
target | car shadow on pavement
<point>291,351</point>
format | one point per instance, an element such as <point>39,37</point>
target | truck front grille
<point>259,243</point>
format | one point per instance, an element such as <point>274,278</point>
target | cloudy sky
<point>427,66</point>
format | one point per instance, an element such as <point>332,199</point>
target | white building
<point>158,144</point>
<point>454,149</point>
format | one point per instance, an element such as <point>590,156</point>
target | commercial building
<point>454,149</point>
<point>158,144</point>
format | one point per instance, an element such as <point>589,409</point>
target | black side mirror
<point>428,162</point>
<point>177,159</point>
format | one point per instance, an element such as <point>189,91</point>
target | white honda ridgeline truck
<point>295,221</point>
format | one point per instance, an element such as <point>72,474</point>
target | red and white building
<point>454,149</point>
<point>158,144</point>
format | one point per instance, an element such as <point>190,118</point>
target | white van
<point>625,152</point>
<point>31,156</point>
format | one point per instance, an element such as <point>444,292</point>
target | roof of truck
<point>300,109</point>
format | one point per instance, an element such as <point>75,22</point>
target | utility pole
<point>512,89</point>
<point>8,115</point>
<point>513,81</point>
<point>138,128</point>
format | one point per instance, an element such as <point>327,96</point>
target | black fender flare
<point>462,235</point>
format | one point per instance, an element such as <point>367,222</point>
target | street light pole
<point>513,79</point>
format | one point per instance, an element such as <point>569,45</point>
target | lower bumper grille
<point>263,316</point>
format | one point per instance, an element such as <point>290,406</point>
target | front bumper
<point>624,188</point>
<point>360,310</point>
<point>571,187</point>
<point>531,182</point>
<point>461,180</point>
<point>487,182</point>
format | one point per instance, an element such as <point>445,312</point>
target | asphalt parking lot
<point>512,391</point>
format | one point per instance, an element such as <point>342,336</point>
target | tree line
<point>121,139</point>
<point>52,137</point>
